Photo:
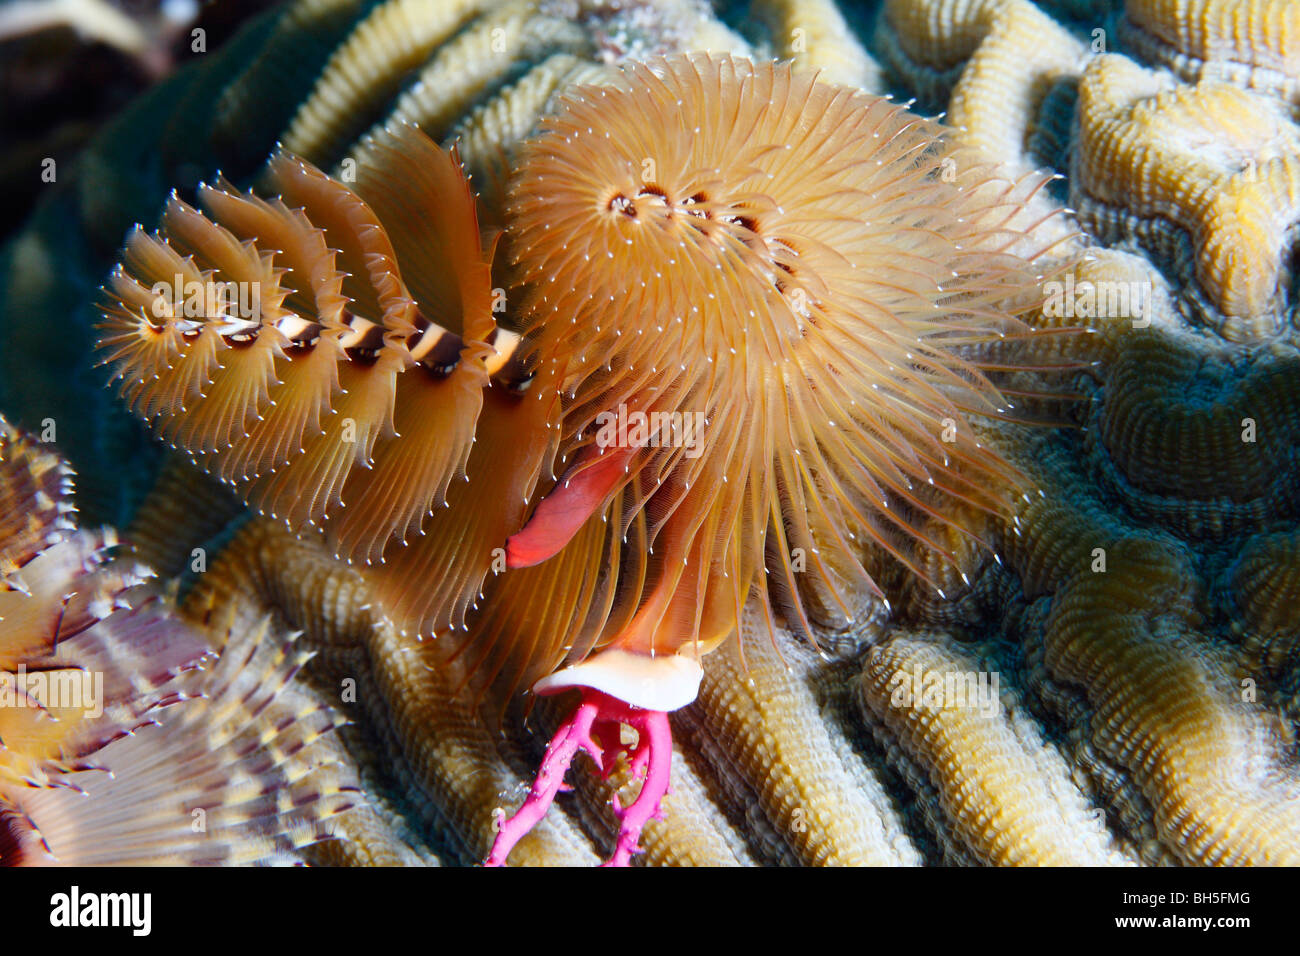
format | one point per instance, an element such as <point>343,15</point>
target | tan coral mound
<point>1013,806</point>
<point>1215,160</point>
<point>1254,40</point>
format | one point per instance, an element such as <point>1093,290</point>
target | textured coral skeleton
<point>1138,620</point>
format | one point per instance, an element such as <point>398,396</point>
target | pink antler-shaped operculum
<point>653,757</point>
<point>598,715</point>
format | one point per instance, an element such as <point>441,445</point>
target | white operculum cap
<point>651,683</point>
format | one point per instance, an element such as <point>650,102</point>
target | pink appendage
<point>599,715</point>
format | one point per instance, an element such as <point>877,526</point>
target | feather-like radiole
<point>346,399</point>
<point>803,269</point>
<point>232,775</point>
<point>36,509</point>
<point>125,737</point>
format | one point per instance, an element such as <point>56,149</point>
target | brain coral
<point>1136,614</point>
